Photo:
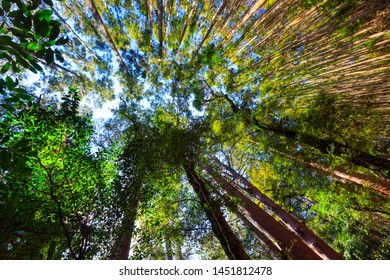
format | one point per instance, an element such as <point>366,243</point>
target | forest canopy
<point>244,129</point>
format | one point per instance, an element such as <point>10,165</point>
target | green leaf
<point>15,68</point>
<point>33,46</point>
<point>41,27</point>
<point>59,56</point>
<point>8,107</point>
<point>11,84</point>
<point>5,67</point>
<point>44,15</point>
<point>37,66</point>
<point>24,96</point>
<point>54,32</point>
<point>48,2</point>
<point>49,56</point>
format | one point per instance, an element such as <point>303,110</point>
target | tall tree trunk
<point>229,241</point>
<point>290,244</point>
<point>300,230</point>
<point>179,253</point>
<point>122,249</point>
<point>168,247</point>
<point>356,157</point>
<point>74,33</point>
<point>160,11</point>
<point>342,175</point>
<point>95,13</point>
<point>359,158</point>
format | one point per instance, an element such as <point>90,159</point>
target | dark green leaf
<point>59,56</point>
<point>49,56</point>
<point>54,32</point>
<point>37,66</point>
<point>5,158</point>
<point>15,68</point>
<point>23,62</point>
<point>5,40</point>
<point>8,107</point>
<point>44,14</point>
<point>24,96</point>
<point>48,2</point>
<point>41,27</point>
<point>5,67</point>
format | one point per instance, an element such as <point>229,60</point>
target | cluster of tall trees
<point>254,129</point>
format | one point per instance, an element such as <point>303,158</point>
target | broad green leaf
<point>49,56</point>
<point>5,67</point>
<point>44,14</point>
<point>54,32</point>
<point>33,46</point>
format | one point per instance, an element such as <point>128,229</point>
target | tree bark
<point>229,241</point>
<point>357,157</point>
<point>342,175</point>
<point>300,230</point>
<point>122,249</point>
<point>291,245</point>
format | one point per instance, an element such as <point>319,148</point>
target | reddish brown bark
<point>229,241</point>
<point>291,244</point>
<point>300,230</point>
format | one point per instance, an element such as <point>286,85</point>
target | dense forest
<point>244,129</point>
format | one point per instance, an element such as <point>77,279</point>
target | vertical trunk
<point>290,244</point>
<point>122,249</point>
<point>300,230</point>
<point>229,241</point>
<point>74,32</point>
<point>168,247</point>
<point>211,26</point>
<point>179,253</point>
<point>160,12</point>
<point>95,13</point>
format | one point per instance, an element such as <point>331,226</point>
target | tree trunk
<point>168,247</point>
<point>300,230</point>
<point>122,249</point>
<point>95,13</point>
<point>357,157</point>
<point>342,175</point>
<point>229,241</point>
<point>290,244</point>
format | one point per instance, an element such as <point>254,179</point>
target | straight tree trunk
<point>342,175</point>
<point>122,248</point>
<point>359,158</point>
<point>168,247</point>
<point>291,245</point>
<point>95,13</point>
<point>229,241</point>
<point>300,230</point>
